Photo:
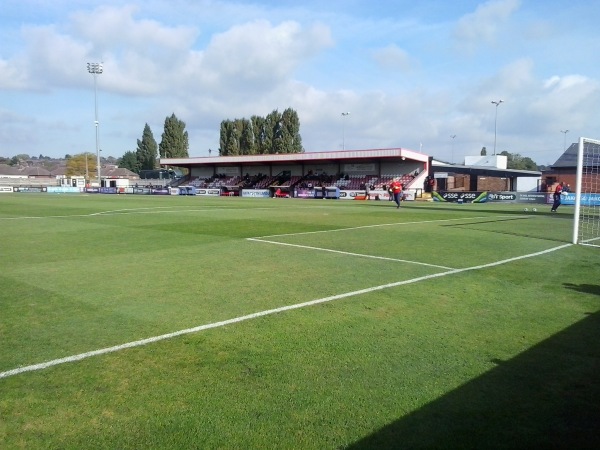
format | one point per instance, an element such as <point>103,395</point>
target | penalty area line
<point>360,255</point>
<point>377,225</point>
<point>141,342</point>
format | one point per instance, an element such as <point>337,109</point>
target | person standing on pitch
<point>556,196</point>
<point>396,188</point>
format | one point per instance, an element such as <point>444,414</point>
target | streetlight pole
<point>453,137</point>
<point>565,144</point>
<point>344,114</point>
<point>87,175</point>
<point>496,121</point>
<point>96,69</point>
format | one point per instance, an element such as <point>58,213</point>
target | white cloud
<point>113,29</point>
<point>393,57</point>
<point>12,75</point>
<point>484,25</point>
<point>258,55</point>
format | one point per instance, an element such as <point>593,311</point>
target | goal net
<point>586,229</point>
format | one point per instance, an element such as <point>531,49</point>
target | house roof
<point>119,172</point>
<point>59,170</point>
<point>569,158</point>
<point>5,169</point>
<point>36,171</point>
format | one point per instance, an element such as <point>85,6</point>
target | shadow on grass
<point>547,397</point>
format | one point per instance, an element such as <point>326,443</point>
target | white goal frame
<point>586,223</point>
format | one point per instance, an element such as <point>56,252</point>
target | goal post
<point>586,227</point>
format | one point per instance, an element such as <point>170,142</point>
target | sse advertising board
<point>460,197</point>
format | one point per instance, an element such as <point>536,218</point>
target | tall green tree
<point>174,143</point>
<point>247,141</point>
<point>129,161</point>
<point>262,135</point>
<point>275,133</point>
<point>229,138</point>
<point>146,153</point>
<point>275,124</point>
<point>291,132</point>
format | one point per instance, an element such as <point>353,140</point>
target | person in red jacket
<point>556,196</point>
<point>396,188</point>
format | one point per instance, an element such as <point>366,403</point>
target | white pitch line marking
<point>349,253</point>
<point>134,211</point>
<point>383,225</point>
<point>116,348</point>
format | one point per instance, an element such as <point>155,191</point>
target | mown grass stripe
<point>162,337</point>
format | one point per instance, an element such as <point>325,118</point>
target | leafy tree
<point>262,136</point>
<point>275,133</point>
<point>174,143</point>
<point>275,125</point>
<point>247,141</point>
<point>76,165</point>
<point>291,132</point>
<point>129,161</point>
<point>223,137</point>
<point>146,152</point>
<point>237,137</point>
<point>518,162</point>
<point>229,138</point>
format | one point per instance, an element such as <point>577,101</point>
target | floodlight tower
<point>344,114</point>
<point>496,121</point>
<point>453,137</point>
<point>565,144</point>
<point>96,69</point>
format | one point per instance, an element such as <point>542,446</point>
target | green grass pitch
<point>191,322</point>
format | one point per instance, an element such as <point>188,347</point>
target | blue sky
<point>411,74</point>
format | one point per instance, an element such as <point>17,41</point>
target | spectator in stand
<point>557,194</point>
<point>431,183</point>
<point>396,188</point>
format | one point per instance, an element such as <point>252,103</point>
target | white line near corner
<point>116,348</point>
<point>361,255</point>
<point>377,225</point>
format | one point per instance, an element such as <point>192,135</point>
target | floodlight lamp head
<point>95,68</point>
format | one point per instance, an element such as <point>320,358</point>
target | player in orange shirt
<point>560,190</point>
<point>396,188</point>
